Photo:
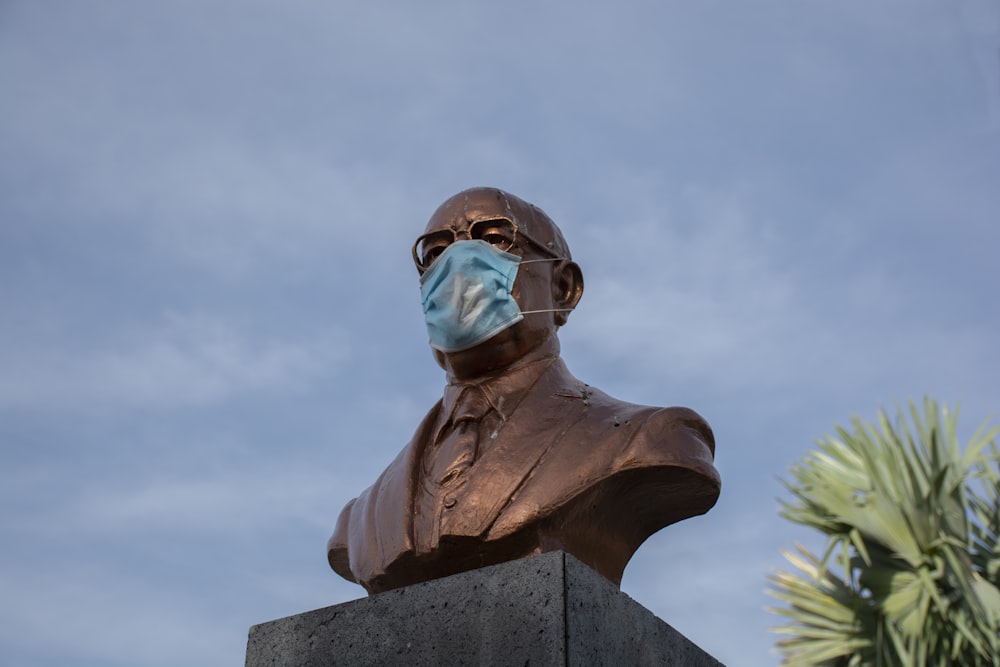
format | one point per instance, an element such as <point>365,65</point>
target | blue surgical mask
<point>466,295</point>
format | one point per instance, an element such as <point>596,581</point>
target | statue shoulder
<point>674,422</point>
<point>336,548</point>
<point>363,517</point>
<point>647,425</point>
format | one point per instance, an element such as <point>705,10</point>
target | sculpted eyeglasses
<point>500,233</point>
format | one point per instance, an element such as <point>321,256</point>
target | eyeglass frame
<point>468,233</point>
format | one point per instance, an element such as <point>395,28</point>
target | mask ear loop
<point>546,310</point>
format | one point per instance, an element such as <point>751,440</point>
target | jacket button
<point>449,502</point>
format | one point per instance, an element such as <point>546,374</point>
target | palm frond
<point>911,571</point>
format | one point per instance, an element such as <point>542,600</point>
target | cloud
<point>189,360</point>
<point>232,502</point>
<point>724,288</point>
<point>80,615</point>
<point>692,297</point>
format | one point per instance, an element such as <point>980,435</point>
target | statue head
<point>524,244</point>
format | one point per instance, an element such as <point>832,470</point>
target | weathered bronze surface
<point>551,463</point>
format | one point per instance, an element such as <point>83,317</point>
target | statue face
<point>493,216</point>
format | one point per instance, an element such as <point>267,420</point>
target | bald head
<point>474,204</point>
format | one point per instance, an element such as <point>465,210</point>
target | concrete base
<point>548,610</point>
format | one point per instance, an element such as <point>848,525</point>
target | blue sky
<point>210,330</point>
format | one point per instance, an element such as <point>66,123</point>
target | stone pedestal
<point>548,610</point>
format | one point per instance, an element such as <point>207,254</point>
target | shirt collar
<point>504,392</point>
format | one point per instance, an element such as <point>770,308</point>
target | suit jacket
<point>571,469</point>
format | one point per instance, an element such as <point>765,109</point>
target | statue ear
<point>567,289</point>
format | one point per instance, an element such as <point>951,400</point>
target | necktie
<point>451,454</point>
<point>459,443</point>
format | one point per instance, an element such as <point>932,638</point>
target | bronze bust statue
<point>518,457</point>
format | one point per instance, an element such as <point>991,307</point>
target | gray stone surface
<point>540,611</point>
<point>606,627</point>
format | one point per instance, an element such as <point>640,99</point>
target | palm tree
<point>911,572</point>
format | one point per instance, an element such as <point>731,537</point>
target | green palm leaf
<point>911,572</point>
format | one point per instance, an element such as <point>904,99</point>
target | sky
<point>210,330</point>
